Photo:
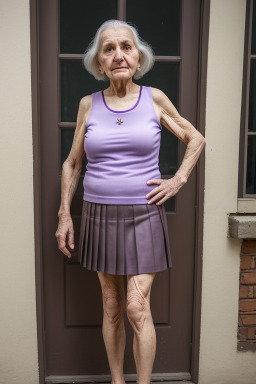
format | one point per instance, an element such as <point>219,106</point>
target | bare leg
<point>113,297</point>
<point>139,315</point>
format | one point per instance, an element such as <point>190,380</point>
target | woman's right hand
<point>65,230</point>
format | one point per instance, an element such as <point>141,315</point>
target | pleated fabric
<point>124,239</point>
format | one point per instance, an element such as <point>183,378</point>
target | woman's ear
<point>140,61</point>
<point>98,65</point>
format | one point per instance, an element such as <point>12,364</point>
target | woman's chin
<point>121,76</point>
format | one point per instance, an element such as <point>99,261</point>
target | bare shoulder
<point>77,150</point>
<point>157,101</point>
<point>85,106</point>
<point>164,104</point>
<point>86,100</point>
<point>84,109</point>
<point>158,95</point>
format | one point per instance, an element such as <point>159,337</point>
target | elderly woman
<point>123,226</point>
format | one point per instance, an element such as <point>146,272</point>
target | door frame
<point>200,180</point>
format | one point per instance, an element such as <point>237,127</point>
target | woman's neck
<point>121,88</point>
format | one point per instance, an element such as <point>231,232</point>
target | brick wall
<point>247,297</point>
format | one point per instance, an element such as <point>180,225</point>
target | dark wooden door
<point>74,347</point>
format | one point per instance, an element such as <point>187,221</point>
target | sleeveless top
<point>122,151</point>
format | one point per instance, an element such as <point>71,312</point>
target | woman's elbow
<point>197,139</point>
<point>201,139</point>
<point>69,163</point>
<point>73,163</point>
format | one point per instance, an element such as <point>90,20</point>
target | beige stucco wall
<point>220,362</point>
<point>18,339</point>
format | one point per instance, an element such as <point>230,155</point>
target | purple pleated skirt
<point>124,239</point>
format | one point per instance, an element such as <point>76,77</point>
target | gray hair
<point>146,52</point>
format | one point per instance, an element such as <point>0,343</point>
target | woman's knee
<point>113,304</point>
<point>138,306</point>
<point>113,297</point>
<point>136,309</point>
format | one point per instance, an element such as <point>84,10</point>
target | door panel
<point>72,296</point>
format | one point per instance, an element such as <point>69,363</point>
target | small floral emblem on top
<point>119,121</point>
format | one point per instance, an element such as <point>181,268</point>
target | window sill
<point>242,226</point>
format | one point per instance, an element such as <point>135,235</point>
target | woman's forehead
<point>120,33</point>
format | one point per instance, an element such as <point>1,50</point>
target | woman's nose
<point>118,54</point>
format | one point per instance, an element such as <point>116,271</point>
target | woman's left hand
<point>166,188</point>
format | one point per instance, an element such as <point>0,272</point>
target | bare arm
<point>184,130</point>
<point>188,134</point>
<point>71,170</point>
<point>72,166</point>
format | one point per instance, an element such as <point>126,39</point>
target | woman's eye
<point>127,46</point>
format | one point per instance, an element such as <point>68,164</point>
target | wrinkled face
<point>118,55</point>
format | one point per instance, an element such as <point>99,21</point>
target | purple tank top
<point>122,150</point>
